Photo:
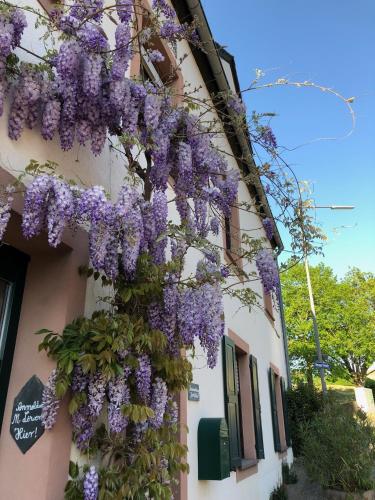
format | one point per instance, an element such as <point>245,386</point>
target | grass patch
<point>342,393</point>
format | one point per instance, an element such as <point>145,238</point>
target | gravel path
<point>304,489</point>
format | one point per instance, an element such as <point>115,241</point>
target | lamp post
<point>312,303</point>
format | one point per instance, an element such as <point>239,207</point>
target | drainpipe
<point>285,333</point>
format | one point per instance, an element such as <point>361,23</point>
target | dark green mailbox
<point>213,449</point>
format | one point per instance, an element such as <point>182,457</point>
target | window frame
<point>232,238</point>
<point>268,305</point>
<point>246,463</point>
<point>278,412</point>
<point>48,5</point>
<point>13,268</point>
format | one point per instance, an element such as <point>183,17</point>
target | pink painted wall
<point>54,295</point>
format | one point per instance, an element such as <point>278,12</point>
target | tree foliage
<point>346,319</point>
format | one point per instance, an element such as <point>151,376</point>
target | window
<point>232,238</point>
<point>242,405</point>
<point>278,411</point>
<point>268,305</point>
<point>48,5</point>
<point>165,72</point>
<point>13,266</point>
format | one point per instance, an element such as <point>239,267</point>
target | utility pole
<point>315,325</point>
<point>312,303</point>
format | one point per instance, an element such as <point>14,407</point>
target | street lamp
<point>312,303</point>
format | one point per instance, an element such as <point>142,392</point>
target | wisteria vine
<point>124,368</point>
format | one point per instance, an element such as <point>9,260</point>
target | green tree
<point>346,319</point>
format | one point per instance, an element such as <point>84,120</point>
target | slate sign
<point>26,424</point>
<point>193,394</point>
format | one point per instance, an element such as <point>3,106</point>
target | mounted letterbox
<point>213,449</point>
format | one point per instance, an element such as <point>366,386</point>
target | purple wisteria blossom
<point>215,225</point>
<point>50,118</point>
<point>80,379</point>
<point>119,395</point>
<point>164,7</point>
<point>96,394</point>
<point>143,378</point>
<point>152,111</point>
<point>83,427</point>
<point>159,211</point>
<point>26,96</point>
<point>268,271</point>
<point>200,314</point>
<point>236,104</point>
<point>158,402</point>
<point>156,56</point>
<point>124,10</point>
<point>268,137</point>
<point>268,227</point>
<point>5,210</point>
<point>60,210</point>
<point>172,411</point>
<point>123,52</point>
<point>91,484</point>
<point>50,402</point>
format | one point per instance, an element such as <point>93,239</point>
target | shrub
<point>279,493</point>
<point>370,384</point>
<point>289,475</point>
<point>339,449</point>
<point>304,402</point>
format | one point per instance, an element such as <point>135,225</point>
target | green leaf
<point>43,331</point>
<point>73,470</point>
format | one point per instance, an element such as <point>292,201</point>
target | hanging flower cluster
<point>268,227</point>
<point>12,25</point>
<point>5,208</point>
<point>50,402</point>
<point>191,313</point>
<point>91,484</point>
<point>126,227</point>
<point>132,393</point>
<point>268,272</point>
<point>87,95</point>
<point>268,137</point>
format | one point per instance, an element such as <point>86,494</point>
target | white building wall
<point>265,340</point>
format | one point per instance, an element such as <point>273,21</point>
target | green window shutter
<point>275,420</point>
<point>256,407</point>
<point>231,401</point>
<point>285,411</point>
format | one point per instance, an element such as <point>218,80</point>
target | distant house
<point>40,286</point>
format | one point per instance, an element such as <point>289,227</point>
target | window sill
<point>247,468</point>
<point>283,451</point>
<point>247,463</point>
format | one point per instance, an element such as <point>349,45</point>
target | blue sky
<point>331,43</point>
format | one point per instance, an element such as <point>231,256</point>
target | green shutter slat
<point>259,446</point>
<point>285,411</point>
<point>231,401</point>
<point>275,420</point>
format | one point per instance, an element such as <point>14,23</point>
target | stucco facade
<point>55,294</point>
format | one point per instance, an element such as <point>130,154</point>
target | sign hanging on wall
<point>193,394</point>
<point>26,420</point>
